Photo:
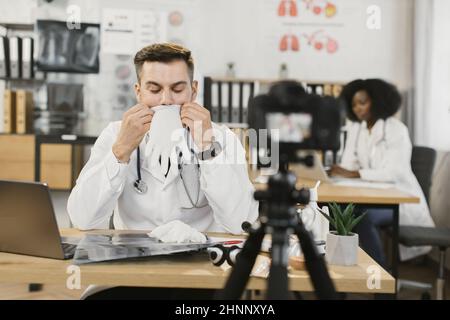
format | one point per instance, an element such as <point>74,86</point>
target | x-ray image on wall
<point>61,49</point>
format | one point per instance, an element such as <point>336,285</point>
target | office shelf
<point>18,26</point>
<point>24,79</point>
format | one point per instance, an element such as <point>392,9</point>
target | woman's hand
<point>339,171</point>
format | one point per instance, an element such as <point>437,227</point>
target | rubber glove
<point>165,132</point>
<point>178,232</point>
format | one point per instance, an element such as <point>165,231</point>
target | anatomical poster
<point>299,27</point>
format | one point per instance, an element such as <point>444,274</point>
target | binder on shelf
<point>27,58</point>
<point>24,111</point>
<point>247,93</point>
<point>4,57</point>
<point>9,111</point>
<point>225,102</point>
<point>214,101</point>
<point>319,90</point>
<point>235,102</point>
<point>327,90</point>
<point>337,90</point>
<point>15,55</point>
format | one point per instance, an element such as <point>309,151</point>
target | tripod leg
<point>245,260</point>
<point>316,266</point>
<point>277,287</point>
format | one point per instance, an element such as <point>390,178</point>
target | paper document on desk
<point>107,247</point>
<point>359,183</point>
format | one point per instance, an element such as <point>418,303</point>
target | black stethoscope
<point>141,187</point>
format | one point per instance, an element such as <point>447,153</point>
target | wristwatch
<point>210,153</point>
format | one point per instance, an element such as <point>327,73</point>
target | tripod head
<point>282,196</point>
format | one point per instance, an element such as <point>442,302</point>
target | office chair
<point>422,162</point>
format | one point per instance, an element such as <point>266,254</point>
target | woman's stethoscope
<point>372,152</point>
<point>141,187</point>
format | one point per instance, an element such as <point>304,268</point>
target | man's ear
<point>137,91</point>
<point>194,90</point>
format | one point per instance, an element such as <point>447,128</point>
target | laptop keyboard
<point>68,249</point>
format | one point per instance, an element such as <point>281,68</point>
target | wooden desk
<point>185,271</point>
<point>329,192</point>
<point>365,198</point>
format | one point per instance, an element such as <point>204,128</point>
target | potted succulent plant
<point>342,244</point>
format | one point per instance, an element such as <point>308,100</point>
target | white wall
<point>247,32</point>
<point>432,62</point>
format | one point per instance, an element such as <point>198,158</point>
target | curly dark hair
<point>386,99</point>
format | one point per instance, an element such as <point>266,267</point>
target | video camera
<point>298,122</point>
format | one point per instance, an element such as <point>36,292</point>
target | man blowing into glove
<point>219,200</point>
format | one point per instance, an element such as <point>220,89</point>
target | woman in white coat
<point>378,148</point>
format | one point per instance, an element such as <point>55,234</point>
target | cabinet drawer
<point>56,165</point>
<point>56,153</point>
<point>17,170</point>
<point>56,174</point>
<point>16,147</point>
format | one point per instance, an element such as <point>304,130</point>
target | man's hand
<point>135,124</point>
<point>198,119</point>
<point>339,171</point>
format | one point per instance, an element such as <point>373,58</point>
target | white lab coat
<point>105,185</point>
<point>385,156</point>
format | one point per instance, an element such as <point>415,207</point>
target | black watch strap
<point>210,153</point>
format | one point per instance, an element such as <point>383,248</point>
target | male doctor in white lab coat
<point>106,183</point>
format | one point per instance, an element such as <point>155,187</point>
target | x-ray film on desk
<point>107,247</point>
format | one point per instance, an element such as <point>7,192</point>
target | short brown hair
<point>163,52</point>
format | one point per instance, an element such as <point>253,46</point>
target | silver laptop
<point>28,223</point>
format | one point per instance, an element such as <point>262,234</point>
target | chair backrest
<point>422,164</point>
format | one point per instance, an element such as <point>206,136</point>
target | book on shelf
<point>24,111</point>
<point>9,111</point>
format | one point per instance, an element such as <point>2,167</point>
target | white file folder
<point>4,57</point>
<point>15,54</point>
<point>27,58</point>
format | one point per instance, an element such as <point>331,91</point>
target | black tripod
<point>280,221</point>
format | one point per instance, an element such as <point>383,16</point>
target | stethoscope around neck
<point>372,152</point>
<point>141,187</point>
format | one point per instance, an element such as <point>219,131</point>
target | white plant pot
<point>342,250</point>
